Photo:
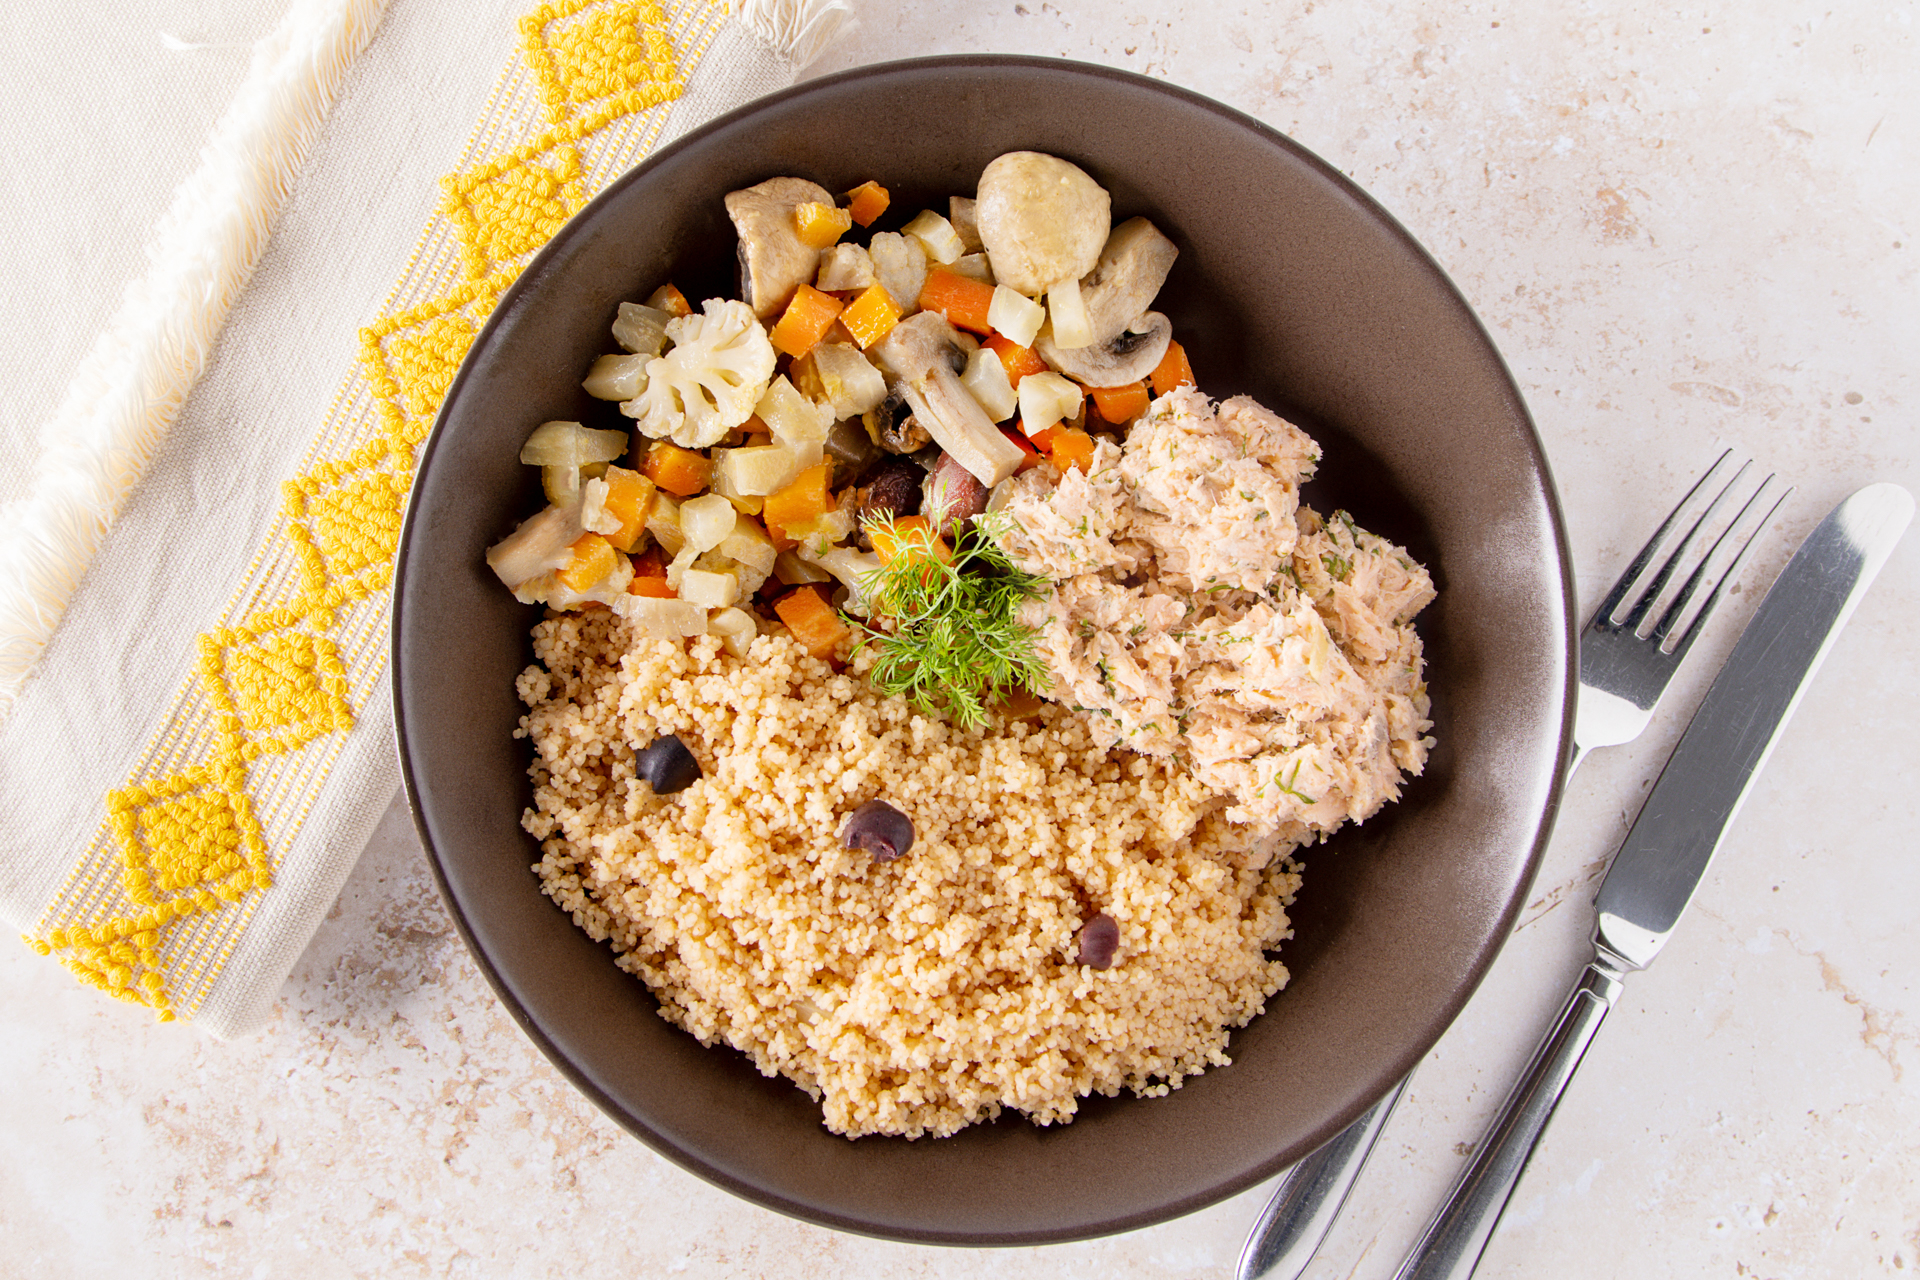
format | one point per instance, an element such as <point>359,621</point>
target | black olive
<point>879,828</point>
<point>667,765</point>
<point>1099,938</point>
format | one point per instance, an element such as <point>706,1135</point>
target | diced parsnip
<point>867,202</point>
<point>629,499</point>
<point>805,321</point>
<point>793,419</point>
<point>871,316</point>
<point>844,268</point>
<point>670,300</point>
<point>641,329</point>
<point>754,471</point>
<point>899,265</point>
<point>617,377</point>
<point>541,544</point>
<point>936,235</point>
<point>736,629</point>
<point>568,444</point>
<point>819,225</point>
<point>986,379</point>
<point>663,523</point>
<point>974,266</point>
<point>662,619</point>
<point>812,620</point>
<point>1172,371</point>
<point>1047,399</point>
<point>593,508</point>
<point>560,484</point>
<point>1015,315</point>
<point>792,570</point>
<point>850,382</point>
<point>1072,328</point>
<point>961,212</point>
<point>708,589</point>
<point>706,520</point>
<point>1019,359</point>
<point>963,302</point>
<point>683,472</point>
<point>749,546</point>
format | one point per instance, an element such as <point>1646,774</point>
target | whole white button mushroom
<point>1041,219</point>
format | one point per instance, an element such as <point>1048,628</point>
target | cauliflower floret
<point>709,380</point>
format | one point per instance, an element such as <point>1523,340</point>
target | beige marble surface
<point>1683,227</point>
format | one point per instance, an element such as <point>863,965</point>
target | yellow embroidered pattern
<point>154,908</point>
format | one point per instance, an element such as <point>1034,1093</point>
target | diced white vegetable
<point>663,522</point>
<point>560,484</point>
<point>1015,316</point>
<point>795,572</point>
<point>568,444</point>
<point>718,561</point>
<point>662,619</point>
<point>641,329</point>
<point>852,384</point>
<point>706,520</point>
<point>974,266</point>
<point>594,515</point>
<point>792,417</point>
<point>755,470</point>
<point>749,546</point>
<point>747,504</point>
<point>682,561</point>
<point>1047,399</point>
<point>708,589</point>
<point>617,377</point>
<point>848,565</point>
<point>900,265</point>
<point>936,235</point>
<point>966,225</point>
<point>843,267</point>
<point>736,629</point>
<point>986,379</point>
<point>1072,328</point>
<point>540,545</point>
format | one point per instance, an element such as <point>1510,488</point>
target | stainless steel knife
<point>1673,841</point>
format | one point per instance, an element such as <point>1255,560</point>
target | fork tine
<point>1671,618</point>
<point>1645,557</point>
<point>1645,603</point>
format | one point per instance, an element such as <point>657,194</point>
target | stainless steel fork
<point>1625,665</point>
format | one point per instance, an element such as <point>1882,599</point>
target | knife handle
<point>1453,1242</point>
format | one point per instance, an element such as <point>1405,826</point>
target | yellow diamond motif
<point>581,61</point>
<point>513,205</point>
<point>344,518</point>
<point>274,690</point>
<point>191,839</point>
<point>410,359</point>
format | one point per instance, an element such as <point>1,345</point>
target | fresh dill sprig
<point>948,639</point>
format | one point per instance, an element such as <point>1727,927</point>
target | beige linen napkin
<point>197,738</point>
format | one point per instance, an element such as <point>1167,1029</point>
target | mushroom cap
<point>1127,356</point>
<point>1041,219</point>
<point>774,260</point>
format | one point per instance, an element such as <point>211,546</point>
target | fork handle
<point>1451,1247</point>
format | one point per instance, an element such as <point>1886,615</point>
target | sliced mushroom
<point>774,260</point>
<point>1041,220</point>
<point>920,353</point>
<point>1128,340</point>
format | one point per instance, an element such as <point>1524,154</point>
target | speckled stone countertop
<point>1685,228</point>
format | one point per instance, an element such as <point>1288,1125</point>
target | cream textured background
<point>1682,228</point>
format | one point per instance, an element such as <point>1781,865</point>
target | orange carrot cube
<point>812,620</point>
<point>871,316</point>
<point>1071,447</point>
<point>1018,361</point>
<point>1172,371</point>
<point>593,559</point>
<point>963,299</point>
<point>819,225</point>
<point>681,472</point>
<point>867,201</point>
<point>1119,405</point>
<point>629,499</point>
<point>805,320</point>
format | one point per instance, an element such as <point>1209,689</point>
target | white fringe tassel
<point>132,383</point>
<point>797,30</point>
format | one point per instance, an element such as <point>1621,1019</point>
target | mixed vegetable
<point>820,452</point>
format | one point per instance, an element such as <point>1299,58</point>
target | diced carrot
<point>681,472</point>
<point>593,559</point>
<point>1044,440</point>
<point>811,619</point>
<point>650,586</point>
<point>805,321</point>
<point>820,224</point>
<point>963,299</point>
<point>1071,447</point>
<point>629,499</point>
<point>651,563</point>
<point>1018,361</point>
<point>867,201</point>
<point>1020,438</point>
<point>670,300</point>
<point>910,536</point>
<point>800,501</point>
<point>1119,405</point>
<point>871,316</point>
<point>1172,371</point>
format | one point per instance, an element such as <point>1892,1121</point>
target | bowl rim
<point>1473,974</point>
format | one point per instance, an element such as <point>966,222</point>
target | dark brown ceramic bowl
<point>1292,286</point>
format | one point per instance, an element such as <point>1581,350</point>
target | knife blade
<point>1673,840</point>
